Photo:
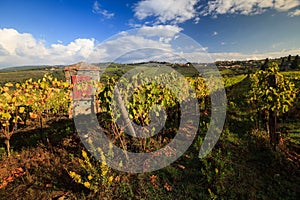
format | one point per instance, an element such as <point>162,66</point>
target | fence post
<point>272,123</point>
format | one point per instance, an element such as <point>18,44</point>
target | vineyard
<point>257,156</point>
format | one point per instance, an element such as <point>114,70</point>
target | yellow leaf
<point>7,96</point>
<point>110,179</point>
<point>8,84</point>
<point>87,184</point>
<point>5,89</point>
<point>216,170</point>
<point>21,110</point>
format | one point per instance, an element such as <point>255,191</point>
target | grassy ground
<point>241,166</point>
<point>21,76</point>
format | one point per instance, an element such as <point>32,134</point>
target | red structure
<point>82,88</point>
<point>81,75</point>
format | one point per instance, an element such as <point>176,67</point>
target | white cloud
<point>133,24</point>
<point>80,48</point>
<point>197,20</point>
<point>23,49</point>
<point>17,48</point>
<point>294,13</point>
<point>247,7</point>
<point>98,10</point>
<point>179,11</point>
<point>3,52</point>
<point>159,30</point>
<point>285,5</point>
<point>16,43</point>
<point>165,33</point>
<point>173,11</point>
<point>215,33</point>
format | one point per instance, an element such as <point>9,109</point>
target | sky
<point>54,32</point>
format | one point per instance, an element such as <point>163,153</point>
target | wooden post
<point>272,123</point>
<point>124,113</point>
<point>272,128</point>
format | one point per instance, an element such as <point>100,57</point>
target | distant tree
<point>289,58</point>
<point>295,63</point>
<point>265,65</point>
<point>282,65</point>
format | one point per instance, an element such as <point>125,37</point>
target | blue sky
<point>68,31</point>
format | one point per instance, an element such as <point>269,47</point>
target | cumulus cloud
<point>179,11</point>
<point>16,43</point>
<point>165,33</point>
<point>159,30</point>
<point>98,10</point>
<point>285,5</point>
<point>79,47</point>
<point>167,11</point>
<point>294,13</point>
<point>3,52</point>
<point>247,7</point>
<point>23,49</point>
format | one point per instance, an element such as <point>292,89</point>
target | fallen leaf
<point>153,181</point>
<point>8,179</point>
<point>3,185</point>
<point>168,187</point>
<point>181,166</point>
